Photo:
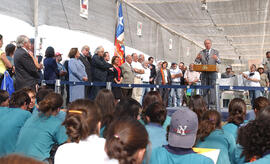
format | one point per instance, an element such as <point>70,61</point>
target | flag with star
<point>119,48</point>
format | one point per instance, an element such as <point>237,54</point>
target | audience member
<point>153,70</point>
<point>210,135</point>
<point>176,74</point>
<point>164,78</point>
<point>138,69</point>
<point>26,72</point>
<point>106,102</point>
<point>259,104</point>
<point>10,49</point>
<point>229,73</point>
<point>117,77</point>
<point>32,94</point>
<point>12,119</point>
<point>40,132</point>
<point>4,98</point>
<point>86,59</point>
<point>76,73</point>
<point>237,115</point>
<point>155,116</point>
<point>264,82</point>
<point>181,139</point>
<point>266,64</point>
<point>62,70</point>
<point>255,139</point>
<point>51,71</point>
<point>126,141</point>
<point>141,58</point>
<point>106,57</point>
<point>198,105</point>
<point>253,80</point>
<point>17,159</point>
<point>128,108</point>
<point>82,122</point>
<point>4,62</point>
<point>100,70</point>
<point>192,78</point>
<point>145,79</point>
<point>128,76</point>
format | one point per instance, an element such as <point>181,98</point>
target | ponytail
<point>237,111</point>
<point>51,103</point>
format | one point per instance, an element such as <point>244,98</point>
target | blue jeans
<point>253,94</point>
<point>144,91</point>
<point>175,92</point>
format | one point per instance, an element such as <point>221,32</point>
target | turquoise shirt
<point>101,131</point>
<point>165,124</point>
<point>263,160</point>
<point>232,129</point>
<point>12,120</point>
<point>38,135</point>
<point>161,155</point>
<point>237,155</point>
<point>157,135</point>
<point>61,115</point>
<point>222,140</point>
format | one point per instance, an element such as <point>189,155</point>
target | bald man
<point>128,76</point>
<point>208,56</point>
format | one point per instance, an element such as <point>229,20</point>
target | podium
<point>205,68</point>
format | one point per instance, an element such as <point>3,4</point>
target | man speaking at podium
<point>208,56</point>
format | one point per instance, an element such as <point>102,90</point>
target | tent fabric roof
<point>236,27</point>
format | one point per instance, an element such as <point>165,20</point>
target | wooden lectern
<point>205,68</point>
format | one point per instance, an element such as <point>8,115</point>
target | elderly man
<point>26,71</point>
<point>85,58</point>
<point>192,78</point>
<point>176,75</point>
<point>128,76</point>
<point>229,73</point>
<point>209,56</point>
<point>138,69</point>
<point>141,58</point>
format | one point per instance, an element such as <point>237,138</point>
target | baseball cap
<point>58,54</point>
<point>183,129</point>
<point>229,67</point>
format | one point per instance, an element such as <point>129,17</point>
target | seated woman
<point>40,132</point>
<point>150,98</point>
<point>198,105</point>
<point>237,115</point>
<point>12,120</point>
<point>126,141</point>
<point>181,138</point>
<point>82,122</point>
<point>106,102</point>
<point>4,98</point>
<point>255,139</point>
<point>155,116</point>
<point>210,135</point>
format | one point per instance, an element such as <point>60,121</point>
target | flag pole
<point>36,27</point>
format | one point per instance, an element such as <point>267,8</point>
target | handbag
<point>7,83</point>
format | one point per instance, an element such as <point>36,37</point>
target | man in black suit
<point>153,70</point>
<point>100,70</point>
<point>26,72</point>
<point>86,59</point>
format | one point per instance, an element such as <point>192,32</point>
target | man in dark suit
<point>100,70</point>
<point>86,59</point>
<point>26,72</point>
<point>208,56</point>
<point>152,69</point>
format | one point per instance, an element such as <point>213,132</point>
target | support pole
<point>58,86</point>
<point>109,86</point>
<point>217,97</point>
<point>36,27</point>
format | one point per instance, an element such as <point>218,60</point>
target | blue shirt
<point>166,122</point>
<point>161,155</point>
<point>237,159</point>
<point>38,135</point>
<point>50,69</point>
<point>232,129</point>
<point>222,140</point>
<point>157,135</point>
<point>12,120</point>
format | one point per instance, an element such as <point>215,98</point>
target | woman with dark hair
<point>17,159</point>
<point>10,49</point>
<point>259,104</point>
<point>82,122</point>
<point>106,102</point>
<point>126,141</point>
<point>210,135</point>
<point>4,98</point>
<point>237,115</point>
<point>155,116</point>
<point>255,139</point>
<point>152,97</point>
<point>40,132</point>
<point>51,71</point>
<point>198,105</point>
<point>164,78</point>
<point>77,73</point>
<point>117,77</point>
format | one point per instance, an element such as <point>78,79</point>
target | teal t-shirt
<point>222,140</point>
<point>165,124</point>
<point>101,131</point>
<point>38,135</point>
<point>157,134</point>
<point>161,155</point>
<point>237,155</point>
<point>232,129</point>
<point>12,120</point>
<point>263,160</point>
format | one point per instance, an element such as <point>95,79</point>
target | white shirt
<point>165,75</point>
<point>255,76</point>
<point>90,150</point>
<point>191,75</point>
<point>174,72</point>
<point>146,75</point>
<point>137,65</point>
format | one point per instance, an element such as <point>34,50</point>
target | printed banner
<point>84,8</point>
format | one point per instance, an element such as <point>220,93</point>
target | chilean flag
<point>119,37</point>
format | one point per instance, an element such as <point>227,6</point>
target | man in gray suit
<point>208,56</point>
<point>128,76</point>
